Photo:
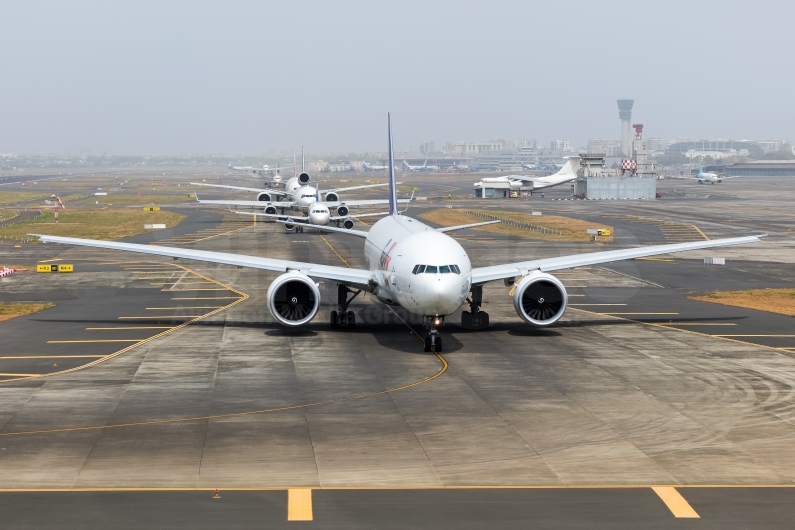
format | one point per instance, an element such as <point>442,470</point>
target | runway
<point>564,426</point>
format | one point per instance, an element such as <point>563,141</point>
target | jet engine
<point>303,178</point>
<point>289,225</point>
<point>264,196</point>
<point>343,211</point>
<point>293,299</point>
<point>331,197</point>
<point>540,299</point>
<point>347,223</point>
<point>270,210</point>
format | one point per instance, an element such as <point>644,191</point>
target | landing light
<point>437,322</point>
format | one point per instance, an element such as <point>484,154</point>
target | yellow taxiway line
<point>675,502</point>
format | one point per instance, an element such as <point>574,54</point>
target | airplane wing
<point>461,227</point>
<point>240,188</point>
<point>329,228</point>
<point>363,202</point>
<point>511,270</point>
<point>359,277</point>
<point>520,177</point>
<point>257,204</point>
<point>339,190</point>
<point>356,216</point>
<point>274,216</point>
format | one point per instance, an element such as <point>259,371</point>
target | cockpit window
<point>433,269</point>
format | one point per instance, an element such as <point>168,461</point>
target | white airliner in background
<point>424,167</point>
<point>319,214</point>
<point>303,199</point>
<point>370,167</point>
<point>566,174</point>
<point>414,266</point>
<point>713,178</point>
<point>264,170</point>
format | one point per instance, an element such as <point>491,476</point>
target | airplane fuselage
<point>397,247</point>
<point>709,177</point>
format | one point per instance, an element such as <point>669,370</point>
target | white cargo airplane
<point>566,174</point>
<point>414,266</point>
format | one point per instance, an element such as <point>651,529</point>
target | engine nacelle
<point>304,178</point>
<point>293,299</point>
<point>347,223</point>
<point>540,299</point>
<point>331,197</point>
<point>264,197</point>
<point>343,211</point>
<point>270,210</point>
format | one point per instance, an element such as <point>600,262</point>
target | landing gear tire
<point>335,319</point>
<point>351,319</point>
<point>428,344</point>
<point>438,345</point>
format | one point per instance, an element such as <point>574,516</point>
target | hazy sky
<point>249,77</point>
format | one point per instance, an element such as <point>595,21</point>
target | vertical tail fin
<point>392,188</point>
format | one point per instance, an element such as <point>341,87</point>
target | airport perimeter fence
<point>527,226</point>
<point>8,222</point>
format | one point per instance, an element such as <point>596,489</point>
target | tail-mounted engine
<point>331,197</point>
<point>342,211</point>
<point>540,299</point>
<point>264,197</point>
<point>293,299</point>
<point>303,178</point>
<point>347,223</point>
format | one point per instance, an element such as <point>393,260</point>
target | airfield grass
<point>6,215</point>
<point>9,311</point>
<point>144,200</point>
<point>572,229</point>
<point>14,197</point>
<point>781,301</point>
<point>101,223</point>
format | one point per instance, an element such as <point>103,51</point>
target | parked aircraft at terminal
<point>414,266</point>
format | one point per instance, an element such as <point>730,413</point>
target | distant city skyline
<point>251,77</point>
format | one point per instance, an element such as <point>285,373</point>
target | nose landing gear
<point>433,342</point>
<point>342,317</point>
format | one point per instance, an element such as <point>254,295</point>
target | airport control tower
<point>625,114</point>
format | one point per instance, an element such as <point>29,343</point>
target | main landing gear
<point>433,342</point>
<point>475,318</point>
<point>342,317</point>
